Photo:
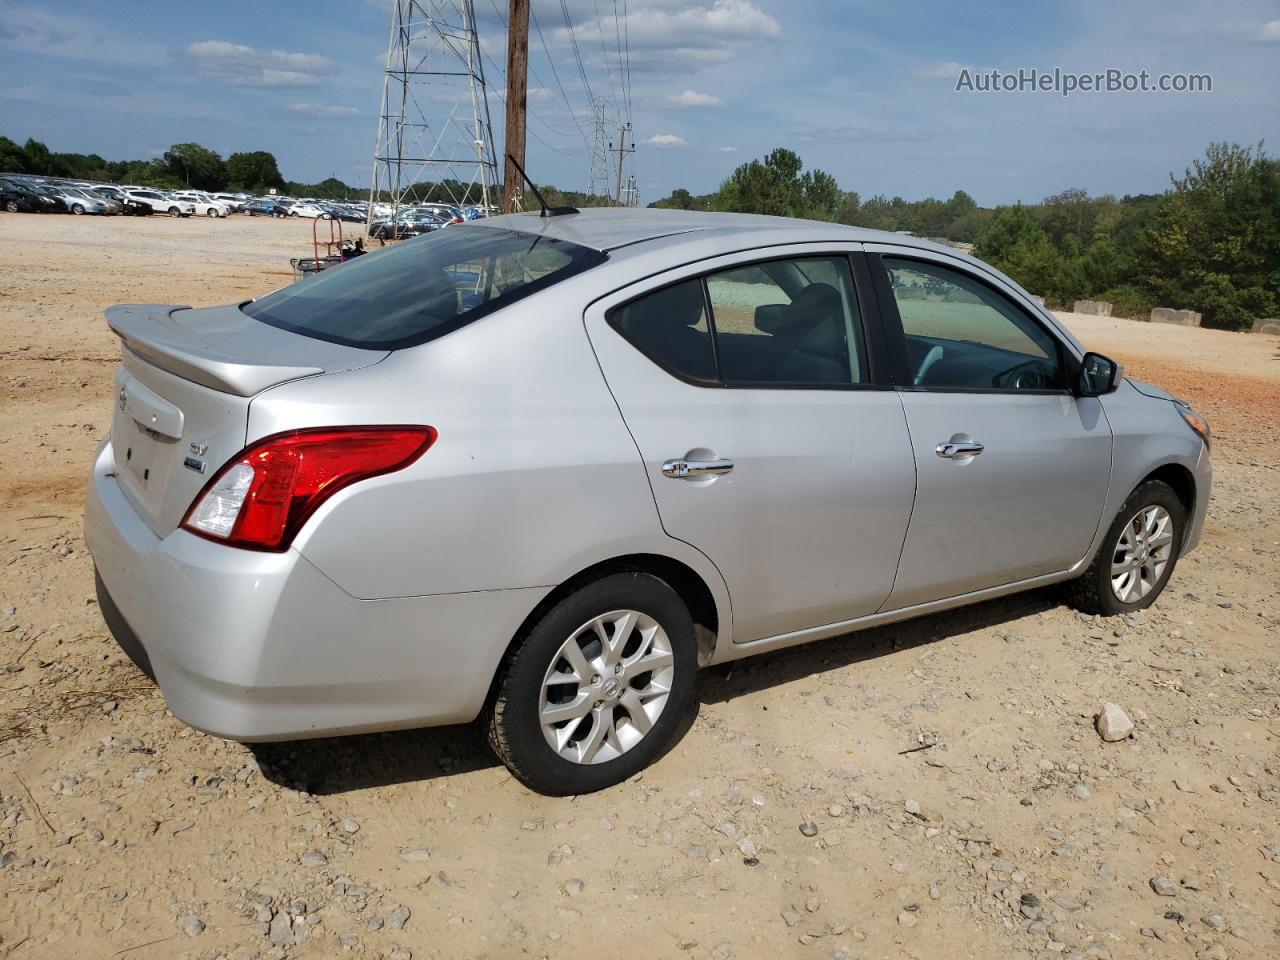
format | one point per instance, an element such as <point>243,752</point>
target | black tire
<point>1092,592</point>
<point>77,209</point>
<point>512,720</point>
<point>211,212</point>
<point>11,206</point>
<point>175,212</point>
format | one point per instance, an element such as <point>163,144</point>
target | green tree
<point>13,159</point>
<point>776,186</point>
<point>254,171</point>
<point>41,162</point>
<point>1213,243</point>
<point>196,166</point>
<point>1015,243</point>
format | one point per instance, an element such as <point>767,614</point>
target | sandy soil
<point>798,817</point>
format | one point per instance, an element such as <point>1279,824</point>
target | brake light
<point>264,495</point>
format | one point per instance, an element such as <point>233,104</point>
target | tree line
<point>1210,243</point>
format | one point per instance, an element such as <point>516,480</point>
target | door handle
<point>684,469</point>
<point>959,449</point>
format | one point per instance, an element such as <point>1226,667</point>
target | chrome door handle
<point>957,449</point>
<point>684,469</point>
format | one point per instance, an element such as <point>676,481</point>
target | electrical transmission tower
<point>599,183</point>
<point>434,126</point>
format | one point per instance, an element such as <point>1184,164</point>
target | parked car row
<point>27,194</point>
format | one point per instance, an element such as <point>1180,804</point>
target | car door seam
<point>915,492</point>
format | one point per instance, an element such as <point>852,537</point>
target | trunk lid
<point>183,390</point>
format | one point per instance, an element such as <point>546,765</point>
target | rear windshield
<point>422,288</point>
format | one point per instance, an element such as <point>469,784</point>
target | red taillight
<point>263,496</point>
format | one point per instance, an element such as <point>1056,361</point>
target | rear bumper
<point>263,646</point>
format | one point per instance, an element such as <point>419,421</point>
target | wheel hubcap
<point>606,687</point>
<point>1141,554</point>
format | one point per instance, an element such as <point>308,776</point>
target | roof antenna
<point>546,211</point>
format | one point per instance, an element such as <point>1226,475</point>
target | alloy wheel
<point>1141,554</point>
<point>606,687</point>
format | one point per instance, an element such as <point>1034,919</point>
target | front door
<point>749,389</point>
<point>1012,469</point>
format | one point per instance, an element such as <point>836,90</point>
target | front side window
<point>792,321</point>
<point>961,334</point>
<point>422,288</point>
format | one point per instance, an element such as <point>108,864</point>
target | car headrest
<point>814,303</point>
<point>770,317</point>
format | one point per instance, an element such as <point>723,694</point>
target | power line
<point>623,70</point>
<point>604,51</point>
<point>573,114</point>
<point>577,54</point>
<point>567,106</point>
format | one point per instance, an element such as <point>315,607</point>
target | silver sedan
<point>540,470</point>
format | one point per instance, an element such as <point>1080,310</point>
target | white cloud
<point>726,150</point>
<point>323,109</point>
<point>662,35</point>
<point>242,66</point>
<point>691,98</point>
<point>666,140</point>
<point>1270,32</point>
<point>939,71</point>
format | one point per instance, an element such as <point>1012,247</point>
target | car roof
<point>609,228</point>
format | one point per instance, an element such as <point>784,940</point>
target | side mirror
<point>1099,375</point>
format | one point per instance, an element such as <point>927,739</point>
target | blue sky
<point>863,90</point>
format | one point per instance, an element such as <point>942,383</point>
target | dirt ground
<point>924,790</point>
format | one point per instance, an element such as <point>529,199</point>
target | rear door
<point>1012,469</point>
<point>751,385</point>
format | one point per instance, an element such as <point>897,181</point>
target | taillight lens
<point>264,495</point>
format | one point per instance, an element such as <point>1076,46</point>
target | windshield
<point>422,288</point>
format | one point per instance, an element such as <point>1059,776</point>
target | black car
<point>262,208</point>
<point>21,196</point>
<point>131,207</point>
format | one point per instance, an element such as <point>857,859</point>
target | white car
<point>205,205</point>
<point>159,203</point>
<point>306,210</point>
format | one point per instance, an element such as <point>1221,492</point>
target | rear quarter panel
<point>533,478</point>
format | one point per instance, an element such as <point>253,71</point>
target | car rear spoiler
<point>150,331</point>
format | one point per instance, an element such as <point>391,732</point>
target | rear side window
<point>422,288</point>
<point>777,323</point>
<point>670,327</point>
<point>788,322</point>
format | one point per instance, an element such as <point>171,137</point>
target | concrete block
<point>1099,308</point>
<point>1183,318</point>
<point>1266,325</point>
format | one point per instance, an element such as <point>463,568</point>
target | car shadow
<point>726,681</point>
<point>339,765</point>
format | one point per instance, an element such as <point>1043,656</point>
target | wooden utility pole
<point>517,94</point>
<point>621,150</point>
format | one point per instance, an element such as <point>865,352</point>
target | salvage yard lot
<point>926,789</point>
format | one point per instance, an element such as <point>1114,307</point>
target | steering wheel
<point>930,358</point>
<point>1025,376</point>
